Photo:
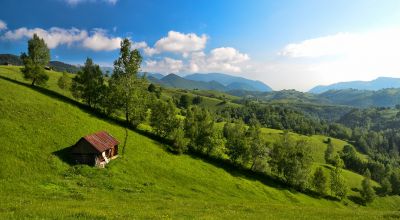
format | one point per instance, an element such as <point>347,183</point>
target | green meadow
<point>37,181</point>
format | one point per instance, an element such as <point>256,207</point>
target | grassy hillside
<point>147,182</point>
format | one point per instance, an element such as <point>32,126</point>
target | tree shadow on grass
<point>65,155</point>
<point>356,199</point>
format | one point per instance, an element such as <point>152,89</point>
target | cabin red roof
<point>101,140</point>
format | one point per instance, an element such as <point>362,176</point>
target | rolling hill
<point>363,98</point>
<point>37,180</point>
<point>374,85</point>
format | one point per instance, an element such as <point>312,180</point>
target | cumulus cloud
<point>54,37</point>
<point>100,42</point>
<point>179,43</point>
<point>3,25</point>
<point>224,59</point>
<point>166,65</point>
<point>76,2</point>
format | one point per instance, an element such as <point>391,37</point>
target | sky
<point>287,44</point>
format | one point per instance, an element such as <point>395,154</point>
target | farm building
<point>95,149</point>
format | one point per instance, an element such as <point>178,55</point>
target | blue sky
<point>286,44</point>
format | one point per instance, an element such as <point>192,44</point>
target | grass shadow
<point>65,155</point>
<point>239,171</point>
<point>356,199</point>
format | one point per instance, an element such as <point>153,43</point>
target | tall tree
<point>386,186</point>
<point>201,131</point>
<point>64,82</point>
<point>163,118</point>
<point>129,91</point>
<point>395,181</point>
<point>237,145</point>
<point>34,62</point>
<point>291,160</point>
<point>320,181</point>
<point>329,152</point>
<point>338,183</point>
<point>258,147</point>
<point>179,141</point>
<point>88,83</point>
<point>367,192</point>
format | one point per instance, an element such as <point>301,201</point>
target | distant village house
<point>95,149</point>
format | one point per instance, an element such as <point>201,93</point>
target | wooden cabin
<point>95,149</point>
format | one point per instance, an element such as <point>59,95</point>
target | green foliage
<point>129,93</point>
<point>329,153</point>
<point>151,88</point>
<point>292,160</point>
<point>386,186</point>
<point>163,118</point>
<point>128,62</point>
<point>197,100</point>
<point>237,144</point>
<point>259,149</point>
<point>38,57</point>
<point>395,182</point>
<point>179,141</point>
<point>367,192</point>
<point>320,181</point>
<point>88,84</point>
<point>338,183</point>
<point>201,131</point>
<point>64,82</point>
<point>184,101</point>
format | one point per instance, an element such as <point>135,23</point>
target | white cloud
<point>76,2</point>
<point>227,60</point>
<point>100,42</point>
<point>180,43</point>
<point>3,25</point>
<point>223,59</point>
<point>54,37</point>
<point>166,65</point>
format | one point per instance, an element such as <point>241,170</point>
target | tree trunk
<point>125,140</point>
<point>33,81</point>
<point>127,114</point>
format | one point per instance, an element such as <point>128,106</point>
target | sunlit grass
<point>146,182</point>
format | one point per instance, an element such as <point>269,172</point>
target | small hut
<point>95,149</point>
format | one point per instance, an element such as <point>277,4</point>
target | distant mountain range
<point>374,85</point>
<point>230,82</point>
<point>208,81</point>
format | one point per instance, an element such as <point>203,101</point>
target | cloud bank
<point>96,39</point>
